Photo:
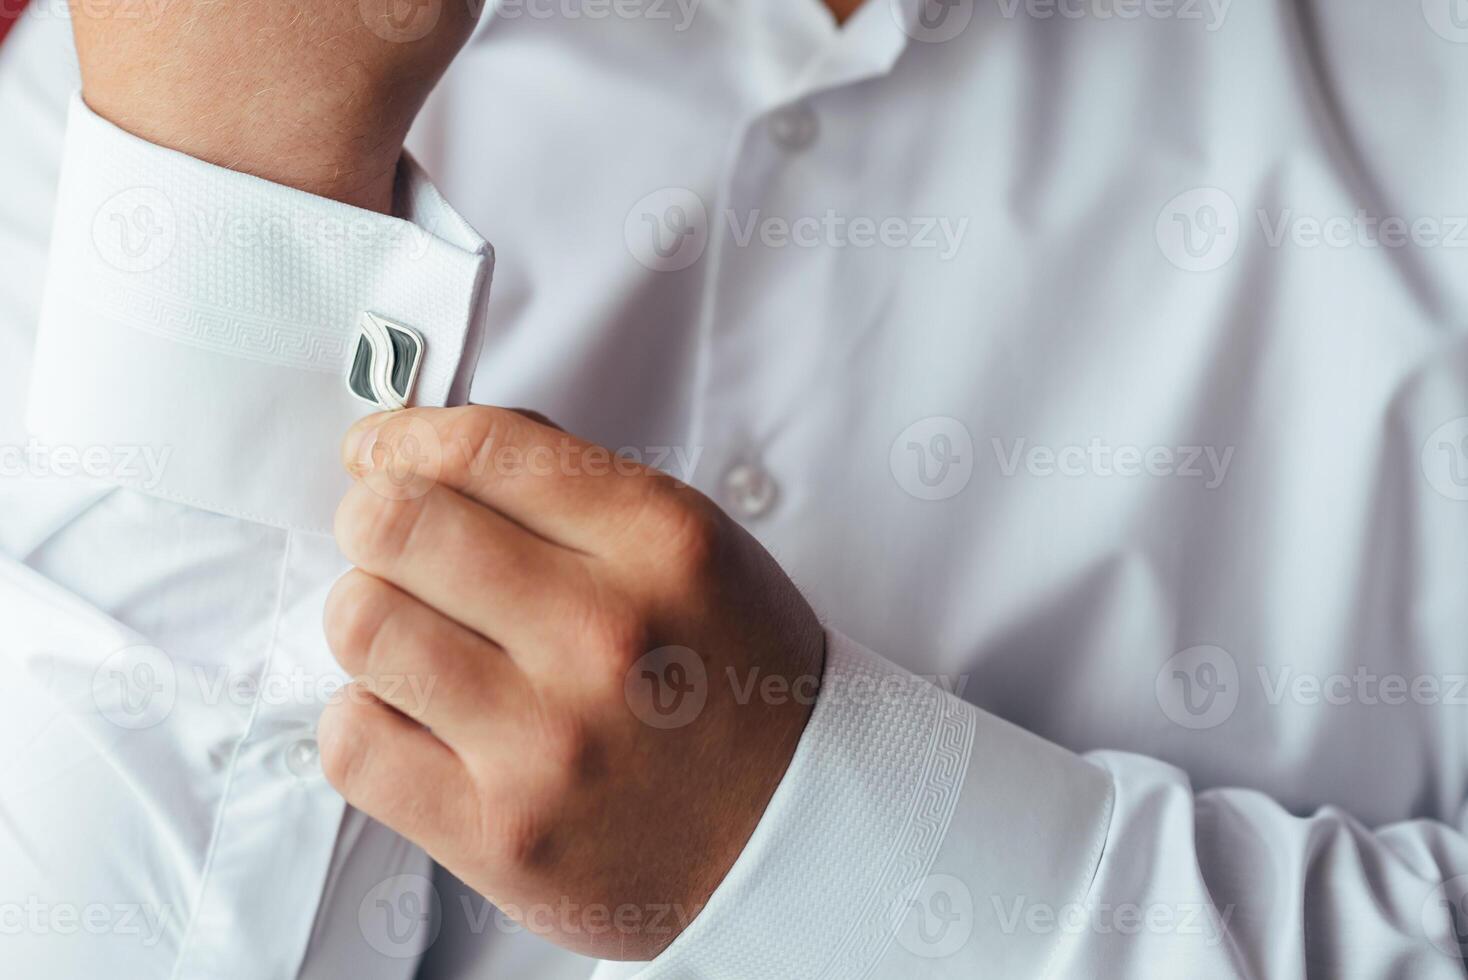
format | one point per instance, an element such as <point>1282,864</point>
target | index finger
<point>568,490</point>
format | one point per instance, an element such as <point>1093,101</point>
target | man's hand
<point>565,654</point>
<point>314,94</point>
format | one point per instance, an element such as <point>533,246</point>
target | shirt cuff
<point>209,317</point>
<point>905,825</point>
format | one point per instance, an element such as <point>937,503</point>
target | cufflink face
<point>385,365</point>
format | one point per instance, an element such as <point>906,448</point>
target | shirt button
<point>794,127</point>
<point>749,489</point>
<point>303,758</point>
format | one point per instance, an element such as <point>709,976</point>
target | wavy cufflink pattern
<point>385,365</point>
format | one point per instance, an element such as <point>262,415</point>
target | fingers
<point>420,662</point>
<point>566,489</point>
<point>391,768</point>
<point>537,417</point>
<point>468,562</point>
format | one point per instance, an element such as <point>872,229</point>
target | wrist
<point>307,95</point>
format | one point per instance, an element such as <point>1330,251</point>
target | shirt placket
<point>277,827</point>
<point>769,262</point>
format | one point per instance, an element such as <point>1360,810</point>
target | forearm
<point>307,95</point>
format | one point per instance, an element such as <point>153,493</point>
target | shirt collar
<point>817,53</point>
<point>866,46</point>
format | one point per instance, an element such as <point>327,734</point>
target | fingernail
<point>358,450</point>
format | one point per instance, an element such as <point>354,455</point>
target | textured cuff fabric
<point>208,317</point>
<point>894,845</point>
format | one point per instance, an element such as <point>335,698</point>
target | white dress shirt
<point>1096,369</point>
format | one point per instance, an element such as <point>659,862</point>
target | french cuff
<point>211,320</point>
<point>908,829</point>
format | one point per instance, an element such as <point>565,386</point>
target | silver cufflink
<point>385,364</point>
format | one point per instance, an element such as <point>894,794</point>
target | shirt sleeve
<point>915,835</point>
<point>164,561</point>
<point>218,314</point>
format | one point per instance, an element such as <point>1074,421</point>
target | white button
<point>794,127</point>
<point>749,489</point>
<point>303,758</point>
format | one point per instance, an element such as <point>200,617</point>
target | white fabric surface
<point>223,298</point>
<point>1101,436</point>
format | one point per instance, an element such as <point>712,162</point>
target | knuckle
<point>355,610</point>
<point>374,531</point>
<point>373,638</point>
<point>561,755</point>
<point>567,751</point>
<point>693,532</point>
<point>400,655</point>
<point>521,837</point>
<point>615,633</point>
<point>339,742</point>
<point>475,434</point>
